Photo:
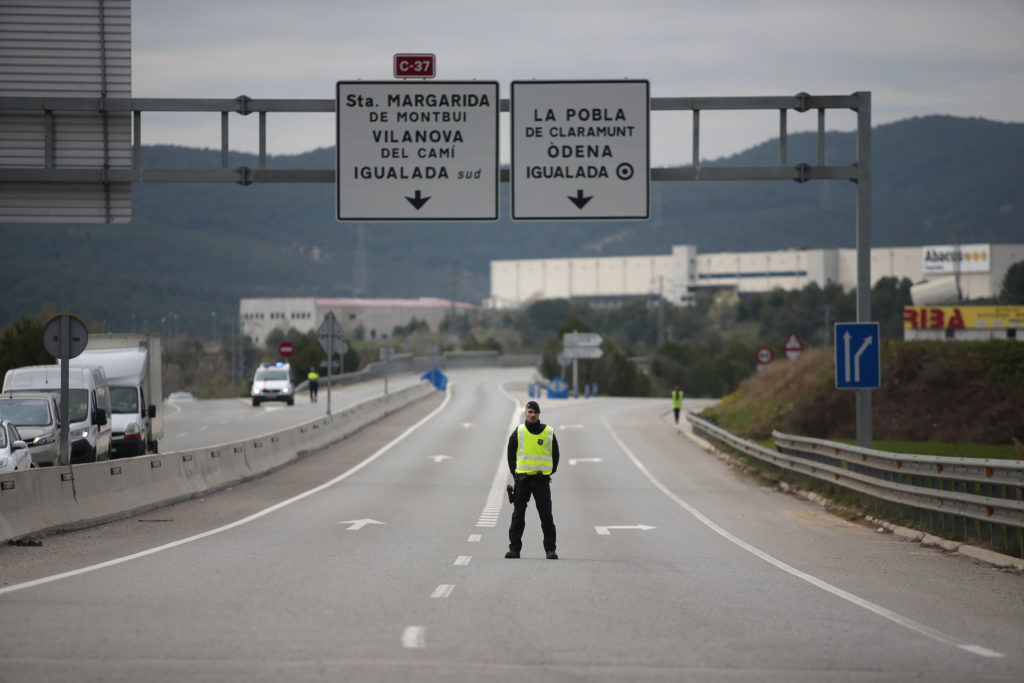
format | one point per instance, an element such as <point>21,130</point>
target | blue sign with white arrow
<point>558,388</point>
<point>858,358</point>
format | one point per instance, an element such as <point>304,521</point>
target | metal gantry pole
<point>864,250</point>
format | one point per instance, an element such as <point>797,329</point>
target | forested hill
<point>194,250</point>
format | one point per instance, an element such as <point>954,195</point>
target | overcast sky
<point>917,57</point>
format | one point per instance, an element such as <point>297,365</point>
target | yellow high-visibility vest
<point>677,399</point>
<point>311,376</point>
<point>534,452</point>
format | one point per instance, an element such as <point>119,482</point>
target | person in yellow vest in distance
<point>532,459</point>
<point>677,401</point>
<point>314,383</point>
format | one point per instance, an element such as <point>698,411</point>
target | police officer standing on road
<point>677,401</point>
<point>532,459</point>
<point>314,383</point>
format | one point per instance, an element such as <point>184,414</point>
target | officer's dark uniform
<point>535,482</point>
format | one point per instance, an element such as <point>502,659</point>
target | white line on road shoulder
<point>906,622</point>
<point>474,538</point>
<point>462,560</point>
<point>245,520</point>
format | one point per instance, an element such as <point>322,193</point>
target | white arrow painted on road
<point>573,461</point>
<point>607,530</point>
<point>440,458</point>
<point>358,524</point>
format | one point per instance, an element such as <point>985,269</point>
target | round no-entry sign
<point>286,349</point>
<point>765,355</point>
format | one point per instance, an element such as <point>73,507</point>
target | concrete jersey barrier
<point>51,499</point>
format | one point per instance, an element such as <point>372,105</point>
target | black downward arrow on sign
<point>418,200</point>
<point>579,200</point>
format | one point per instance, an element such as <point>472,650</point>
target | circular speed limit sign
<point>765,355</point>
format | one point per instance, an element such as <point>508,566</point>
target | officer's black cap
<point>533,405</point>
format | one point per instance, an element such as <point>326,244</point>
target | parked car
<point>14,452</point>
<point>180,397</point>
<point>37,417</point>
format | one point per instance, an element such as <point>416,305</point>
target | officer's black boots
<point>552,555</point>
<point>512,555</point>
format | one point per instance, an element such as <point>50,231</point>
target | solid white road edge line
<point>906,622</point>
<point>245,520</point>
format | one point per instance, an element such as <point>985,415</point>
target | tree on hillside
<point>1013,285</point>
<point>21,342</point>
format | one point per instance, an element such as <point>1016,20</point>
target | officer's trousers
<point>538,486</point>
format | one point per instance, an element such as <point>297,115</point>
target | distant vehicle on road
<point>273,382</point>
<point>14,452</point>
<point>180,397</point>
<point>37,417</point>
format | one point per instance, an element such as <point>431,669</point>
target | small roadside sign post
<point>286,349</point>
<point>576,345</point>
<point>65,337</point>
<point>859,366</point>
<point>329,334</point>
<point>765,355</point>
<point>858,359</point>
<point>416,150</point>
<point>792,347</point>
<point>580,150</point>
<point>386,354</point>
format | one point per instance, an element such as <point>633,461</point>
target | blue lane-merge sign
<point>858,359</point>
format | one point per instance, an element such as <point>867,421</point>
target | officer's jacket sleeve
<point>554,454</point>
<point>513,446</point>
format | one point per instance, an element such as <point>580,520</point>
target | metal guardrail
<point>966,497</point>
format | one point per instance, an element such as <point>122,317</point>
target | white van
<point>88,404</point>
<point>273,382</point>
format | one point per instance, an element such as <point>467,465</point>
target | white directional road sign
<point>584,352</point>
<point>581,339</point>
<point>580,150</point>
<point>411,151</point>
<point>858,360</point>
<point>330,327</point>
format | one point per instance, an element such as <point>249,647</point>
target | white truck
<point>132,365</point>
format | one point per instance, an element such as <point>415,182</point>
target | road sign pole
<point>864,250</point>
<point>64,454</point>
<point>575,377</point>
<point>330,362</point>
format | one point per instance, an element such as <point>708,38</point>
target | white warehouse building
<point>377,317</point>
<point>978,270</point>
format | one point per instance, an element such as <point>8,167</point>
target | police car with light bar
<point>273,382</point>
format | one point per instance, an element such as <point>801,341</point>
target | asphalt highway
<point>381,558</point>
